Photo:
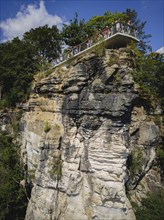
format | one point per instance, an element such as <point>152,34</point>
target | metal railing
<point>103,34</point>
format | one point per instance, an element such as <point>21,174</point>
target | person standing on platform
<point>118,26</point>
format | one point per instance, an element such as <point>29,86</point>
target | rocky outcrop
<point>80,127</point>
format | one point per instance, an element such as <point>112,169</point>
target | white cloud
<point>160,50</point>
<point>28,17</point>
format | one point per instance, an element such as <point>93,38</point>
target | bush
<point>152,207</point>
<point>135,162</point>
<point>160,153</point>
<point>158,120</point>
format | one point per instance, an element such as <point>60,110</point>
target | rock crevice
<point>79,164</point>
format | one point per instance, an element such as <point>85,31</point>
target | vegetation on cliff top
<point>22,59</point>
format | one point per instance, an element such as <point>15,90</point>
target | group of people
<point>87,43</point>
<point>101,35</point>
<point>118,27</point>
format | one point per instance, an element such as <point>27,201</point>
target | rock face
<point>80,126</point>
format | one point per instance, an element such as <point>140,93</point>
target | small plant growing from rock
<point>99,50</point>
<point>158,120</point>
<point>47,127</point>
<point>160,152</point>
<point>56,168</point>
<point>113,60</point>
<point>135,162</point>
<point>117,79</point>
<point>160,160</point>
<point>31,175</point>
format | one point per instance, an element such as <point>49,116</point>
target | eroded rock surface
<point>80,126</point>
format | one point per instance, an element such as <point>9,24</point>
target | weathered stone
<point>148,133</point>
<point>78,141</point>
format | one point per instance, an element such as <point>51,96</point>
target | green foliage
<point>47,127</point>
<point>160,159</point>
<point>149,75</point>
<point>108,19</point>
<point>117,78</point>
<point>16,122</point>
<point>113,60</point>
<point>158,120</point>
<point>132,16</point>
<point>74,33</point>
<point>160,153</point>
<point>46,42</point>
<point>135,162</point>
<point>17,67</point>
<point>21,59</point>
<point>151,207</point>
<point>56,168</point>
<point>99,50</point>
<point>101,21</point>
<point>12,195</point>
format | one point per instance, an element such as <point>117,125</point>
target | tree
<point>149,75</point>
<point>12,196</point>
<point>131,15</point>
<point>75,33</point>
<point>101,21</point>
<point>46,41</point>
<point>17,66</point>
<point>107,19</point>
<point>20,60</point>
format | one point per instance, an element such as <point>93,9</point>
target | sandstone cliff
<point>79,129</point>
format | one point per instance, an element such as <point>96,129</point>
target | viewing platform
<point>115,37</point>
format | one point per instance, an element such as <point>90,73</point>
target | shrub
<point>151,207</point>
<point>135,162</point>
<point>47,127</point>
<point>117,78</point>
<point>157,120</point>
<point>113,60</point>
<point>160,152</point>
<point>56,168</point>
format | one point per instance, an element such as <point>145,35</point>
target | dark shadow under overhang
<point>119,40</point>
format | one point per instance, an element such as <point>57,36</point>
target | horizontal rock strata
<point>78,130</point>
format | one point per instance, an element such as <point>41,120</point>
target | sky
<point>19,16</point>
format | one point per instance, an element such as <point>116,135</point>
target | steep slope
<point>80,127</point>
